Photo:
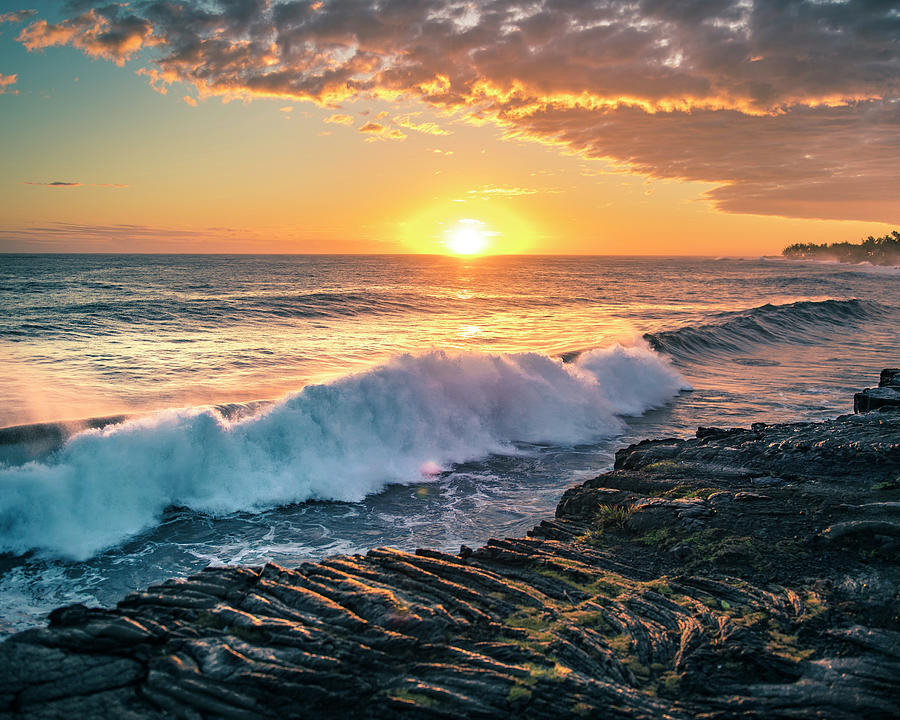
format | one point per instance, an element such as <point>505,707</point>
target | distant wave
<point>101,317</point>
<point>337,441</point>
<point>107,316</point>
<point>798,322</point>
<point>870,269</point>
<point>865,265</point>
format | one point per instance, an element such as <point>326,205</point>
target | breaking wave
<point>798,322</point>
<point>342,440</point>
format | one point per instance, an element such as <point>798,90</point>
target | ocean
<point>286,408</point>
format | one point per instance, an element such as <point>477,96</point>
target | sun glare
<point>467,237</point>
<point>447,229</point>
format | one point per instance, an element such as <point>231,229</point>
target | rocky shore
<point>742,573</point>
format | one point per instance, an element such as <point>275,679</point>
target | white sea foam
<point>337,441</point>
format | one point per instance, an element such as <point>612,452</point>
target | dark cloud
<point>55,183</point>
<point>791,105</point>
<point>109,32</point>
<point>62,184</point>
<point>836,163</point>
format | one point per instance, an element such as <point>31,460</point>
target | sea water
<point>285,408</point>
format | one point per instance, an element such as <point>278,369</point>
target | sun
<point>467,237</point>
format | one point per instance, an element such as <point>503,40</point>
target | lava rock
<point>875,398</point>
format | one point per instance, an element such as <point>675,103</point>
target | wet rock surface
<point>743,573</point>
<point>887,394</point>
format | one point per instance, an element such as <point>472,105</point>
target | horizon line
<point>394,254</point>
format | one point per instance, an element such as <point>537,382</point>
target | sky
<point>712,127</point>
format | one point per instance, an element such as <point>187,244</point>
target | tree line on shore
<point>878,251</point>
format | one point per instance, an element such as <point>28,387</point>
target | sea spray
<point>337,441</point>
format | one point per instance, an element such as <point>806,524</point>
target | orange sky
<point>258,126</point>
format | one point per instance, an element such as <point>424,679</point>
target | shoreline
<point>745,572</point>
<point>832,260</point>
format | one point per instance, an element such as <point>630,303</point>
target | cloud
<point>190,100</point>
<point>377,131</point>
<point>340,119</point>
<point>55,183</point>
<point>109,32</point>
<point>428,128</point>
<point>835,163</point>
<point>16,16</point>
<point>495,191</point>
<point>790,106</point>
<point>6,83</point>
<point>63,184</point>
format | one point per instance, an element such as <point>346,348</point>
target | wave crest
<point>798,322</point>
<point>337,441</point>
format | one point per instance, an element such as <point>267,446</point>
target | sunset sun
<point>468,237</point>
